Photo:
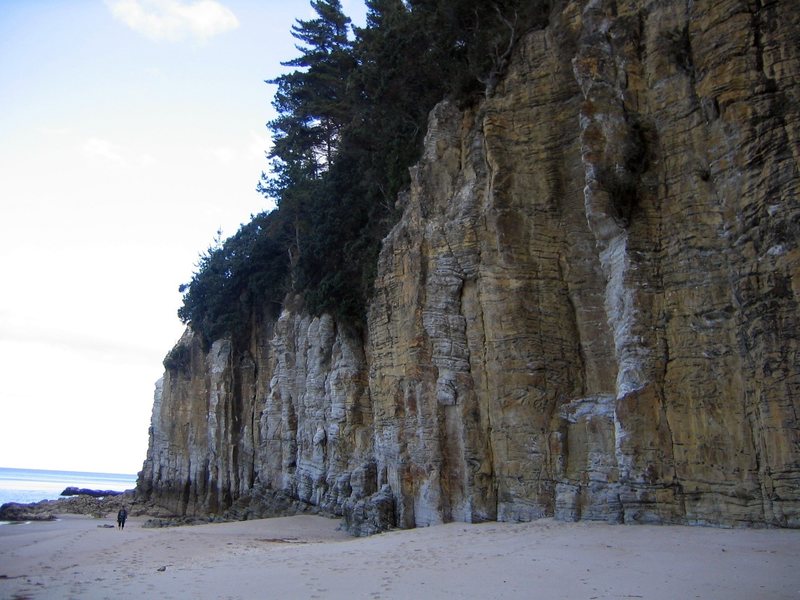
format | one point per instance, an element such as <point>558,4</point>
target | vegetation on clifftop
<point>351,119</point>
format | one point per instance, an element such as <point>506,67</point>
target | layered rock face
<point>588,310</point>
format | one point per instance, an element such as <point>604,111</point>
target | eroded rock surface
<point>588,310</point>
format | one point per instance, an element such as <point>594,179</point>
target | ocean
<point>32,485</point>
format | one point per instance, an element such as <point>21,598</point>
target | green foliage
<point>470,43</point>
<point>178,359</point>
<point>249,269</point>
<point>311,103</point>
<point>351,119</point>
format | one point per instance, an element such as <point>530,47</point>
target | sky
<point>131,131</point>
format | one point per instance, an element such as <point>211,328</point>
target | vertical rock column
<point>622,210</point>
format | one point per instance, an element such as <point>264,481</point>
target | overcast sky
<point>130,132</point>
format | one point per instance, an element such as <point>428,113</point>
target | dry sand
<point>307,557</point>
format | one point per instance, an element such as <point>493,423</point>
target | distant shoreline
<point>25,486</point>
<point>83,504</point>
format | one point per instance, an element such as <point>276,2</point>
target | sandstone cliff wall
<point>589,308</point>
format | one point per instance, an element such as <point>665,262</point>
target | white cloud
<point>103,150</point>
<point>223,154</point>
<point>22,331</point>
<point>55,131</point>
<point>257,147</point>
<point>146,160</point>
<point>174,20</point>
<point>240,150</point>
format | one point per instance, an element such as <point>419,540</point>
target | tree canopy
<point>351,119</point>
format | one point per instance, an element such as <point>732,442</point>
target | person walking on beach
<point>121,516</point>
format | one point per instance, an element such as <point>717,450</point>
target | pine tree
<point>311,103</point>
<point>393,88</point>
<point>351,118</point>
<point>312,110</point>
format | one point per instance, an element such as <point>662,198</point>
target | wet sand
<point>308,557</point>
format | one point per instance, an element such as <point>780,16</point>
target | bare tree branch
<point>500,61</point>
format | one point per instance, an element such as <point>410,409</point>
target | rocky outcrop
<point>81,504</point>
<point>589,308</point>
<point>279,427</point>
<point>76,491</point>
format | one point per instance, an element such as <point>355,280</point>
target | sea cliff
<point>588,310</point>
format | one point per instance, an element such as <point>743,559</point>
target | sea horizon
<point>33,485</point>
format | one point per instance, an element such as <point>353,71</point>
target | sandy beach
<point>308,557</point>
